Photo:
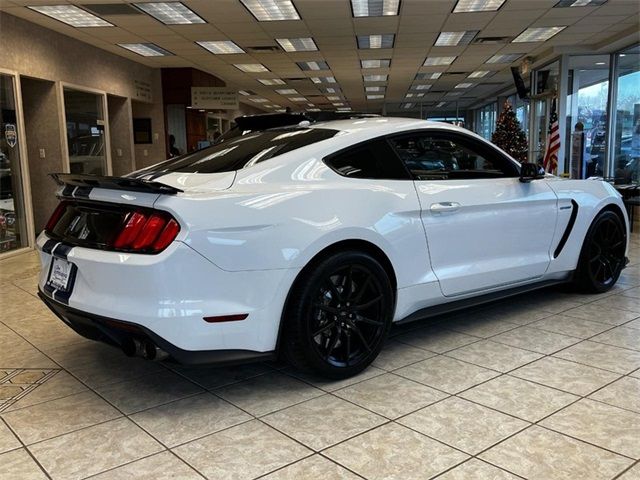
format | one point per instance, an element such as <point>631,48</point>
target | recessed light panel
<point>441,104</point>
<point>271,10</point>
<point>434,61</point>
<point>479,74</point>
<point>464,85</point>
<point>251,67</point>
<point>580,3</point>
<point>338,104</point>
<point>375,78</point>
<point>464,6</point>
<point>222,47</point>
<point>428,76</point>
<point>170,13</point>
<point>146,49</point>
<point>506,58</point>
<point>537,34</point>
<point>343,109</point>
<point>297,99</point>
<point>71,15</point>
<point>271,81</point>
<point>246,93</point>
<point>375,8</point>
<point>376,41</point>
<point>330,90</point>
<point>421,87</point>
<point>374,89</point>
<point>287,91</point>
<point>305,44</point>
<point>323,79</point>
<point>452,39</point>
<point>333,98</point>
<point>407,105</point>
<point>307,66</point>
<point>259,100</point>
<point>414,95</point>
<point>383,63</point>
<point>375,97</point>
<point>313,110</point>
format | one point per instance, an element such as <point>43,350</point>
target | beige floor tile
<point>395,452</point>
<point>609,315</point>
<point>520,398</point>
<point>632,292</point>
<point>436,339</point>
<point>323,421</point>
<point>8,440</point>
<point>20,354</point>
<point>558,304</point>
<point>540,454</point>
<point>599,355</point>
<point>46,332</point>
<point>600,424</point>
<point>268,393</point>
<point>245,451</point>
<point>574,327</point>
<point>161,466</point>
<point>632,474</point>
<point>565,375</point>
<point>50,419</point>
<point>623,393</point>
<point>310,468</point>
<point>93,450</point>
<point>396,355</point>
<point>620,337</point>
<point>536,340</point>
<point>477,470</point>
<point>18,464</point>
<point>390,395</point>
<point>483,326</point>
<point>220,376</point>
<point>633,324</point>
<point>496,356</point>
<point>620,302</point>
<point>447,374</point>
<point>60,385</point>
<point>517,314</point>
<point>463,425</point>
<point>150,391</point>
<point>190,418</point>
<point>329,385</point>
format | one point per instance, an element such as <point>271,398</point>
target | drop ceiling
<point>335,69</point>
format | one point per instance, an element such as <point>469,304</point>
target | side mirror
<point>529,172</point>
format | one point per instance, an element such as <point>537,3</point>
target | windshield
<point>240,152</point>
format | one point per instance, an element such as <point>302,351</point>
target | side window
<point>445,157</point>
<point>374,159</point>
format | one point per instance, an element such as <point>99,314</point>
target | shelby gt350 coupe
<point>312,240</point>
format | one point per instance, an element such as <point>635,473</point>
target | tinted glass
<point>373,159</point>
<point>240,152</point>
<point>433,157</point>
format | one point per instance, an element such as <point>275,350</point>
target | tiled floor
<point>543,386</point>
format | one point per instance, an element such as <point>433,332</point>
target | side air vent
<point>263,49</point>
<point>490,40</point>
<point>106,9</point>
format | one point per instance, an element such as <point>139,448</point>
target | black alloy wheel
<point>340,316</point>
<point>603,254</point>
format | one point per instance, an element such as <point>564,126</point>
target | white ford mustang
<point>312,240</point>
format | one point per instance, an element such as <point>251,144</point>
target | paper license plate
<point>60,275</point>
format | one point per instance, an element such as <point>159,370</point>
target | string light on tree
<point>509,135</point>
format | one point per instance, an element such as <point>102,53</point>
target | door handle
<point>444,207</point>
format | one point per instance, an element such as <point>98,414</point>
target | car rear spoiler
<point>84,181</point>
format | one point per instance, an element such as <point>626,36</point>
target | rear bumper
<point>117,332</point>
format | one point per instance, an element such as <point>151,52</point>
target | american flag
<point>553,141</point>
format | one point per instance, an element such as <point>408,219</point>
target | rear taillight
<point>149,232</point>
<point>55,216</point>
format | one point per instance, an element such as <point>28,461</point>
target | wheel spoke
<point>327,308</point>
<point>348,349</point>
<point>324,328</point>
<point>348,286</point>
<point>332,343</point>
<point>364,342</point>
<point>334,290</point>
<point>362,291</point>
<point>364,306</point>
<point>368,321</point>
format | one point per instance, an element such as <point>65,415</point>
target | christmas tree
<point>509,135</point>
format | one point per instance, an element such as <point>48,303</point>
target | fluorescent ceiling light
<point>343,109</point>
<point>271,81</point>
<point>464,85</point>
<point>146,49</point>
<point>431,61</point>
<point>305,44</point>
<point>375,8</point>
<point>506,58</point>
<point>414,95</point>
<point>330,90</point>
<point>580,3</point>
<point>453,94</point>
<point>382,63</point>
<point>441,104</point>
<point>251,67</point>
<point>376,41</point>
<point>333,98</point>
<point>375,89</point>
<point>451,39</point>
<point>538,34</point>
<point>408,105</point>
<point>421,87</point>
<point>71,15</point>
<point>307,66</point>
<point>477,6</point>
<point>259,100</point>
<point>323,79</point>
<point>338,104</point>
<point>428,76</point>
<point>479,74</point>
<point>271,10</point>
<point>375,78</point>
<point>375,97</point>
<point>287,91</point>
<point>297,99</point>
<point>313,110</point>
<point>246,93</point>
<point>170,13</point>
<point>221,47</point>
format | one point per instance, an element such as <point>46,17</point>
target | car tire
<point>602,257</point>
<point>339,315</point>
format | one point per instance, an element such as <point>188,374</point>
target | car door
<point>485,229</point>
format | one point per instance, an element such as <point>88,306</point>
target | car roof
<point>384,125</point>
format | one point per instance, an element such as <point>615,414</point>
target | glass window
<point>448,157</point>
<point>373,159</point>
<point>626,139</point>
<point>486,121</point>
<point>84,116</point>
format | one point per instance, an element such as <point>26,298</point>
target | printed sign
<point>218,98</point>
<point>11,134</point>
<point>142,91</point>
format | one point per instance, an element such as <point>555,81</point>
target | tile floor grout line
<point>25,447</point>
<point>629,468</point>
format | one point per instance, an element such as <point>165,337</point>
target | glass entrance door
<point>13,224</point>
